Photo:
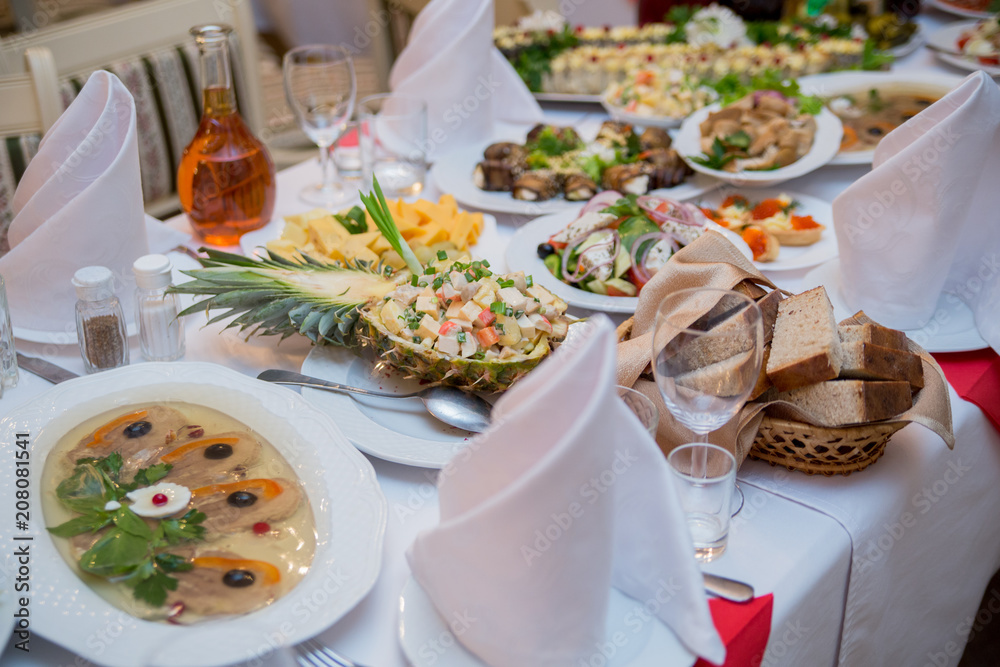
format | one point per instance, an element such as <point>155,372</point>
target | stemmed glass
<point>707,350</point>
<point>321,88</point>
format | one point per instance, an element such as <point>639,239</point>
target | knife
<point>730,589</point>
<point>44,369</point>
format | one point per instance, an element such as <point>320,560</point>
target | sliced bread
<point>874,334</point>
<point>769,309</point>
<point>805,348</point>
<point>729,377</point>
<point>867,361</point>
<point>763,384</point>
<point>749,288</point>
<point>844,402</point>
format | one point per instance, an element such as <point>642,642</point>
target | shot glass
<point>392,130</point>
<point>8,355</point>
<point>641,407</point>
<point>346,154</point>
<point>706,477</point>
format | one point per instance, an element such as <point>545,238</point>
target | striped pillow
<point>15,152</point>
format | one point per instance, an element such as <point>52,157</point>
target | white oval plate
<point>826,143</point>
<point>845,83</point>
<point>958,11</point>
<point>618,113</point>
<point>916,40</point>
<point>957,334</point>
<point>453,173</point>
<point>946,38</point>
<point>522,255</point>
<point>428,641</point>
<point>347,503</point>
<point>791,258</point>
<point>393,429</point>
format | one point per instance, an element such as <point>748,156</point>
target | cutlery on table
<point>452,406</point>
<point>311,653</point>
<point>44,369</point>
<point>728,589</point>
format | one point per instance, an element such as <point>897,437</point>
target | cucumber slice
<point>597,287</point>
<point>623,286</point>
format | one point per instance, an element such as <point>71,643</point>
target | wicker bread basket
<point>817,449</point>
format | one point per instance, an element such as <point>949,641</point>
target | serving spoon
<point>452,406</point>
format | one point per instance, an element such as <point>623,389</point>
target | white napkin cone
<point>450,61</point>
<point>563,497</point>
<point>78,204</point>
<point>924,220</point>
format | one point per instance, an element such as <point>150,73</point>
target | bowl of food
<point>655,97</point>
<point>762,139</point>
<point>193,506</point>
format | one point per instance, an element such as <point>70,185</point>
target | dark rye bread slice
<point>805,348</point>
<point>874,334</point>
<point>750,289</point>
<point>844,402</point>
<point>769,309</point>
<point>866,361</point>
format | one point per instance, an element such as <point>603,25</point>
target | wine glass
<point>320,88</point>
<point>707,350</point>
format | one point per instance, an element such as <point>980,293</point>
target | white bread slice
<point>866,361</point>
<point>844,402</point>
<point>805,348</point>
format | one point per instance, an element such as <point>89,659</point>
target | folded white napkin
<point>924,220</point>
<point>78,204</point>
<point>450,61</point>
<point>563,497</point>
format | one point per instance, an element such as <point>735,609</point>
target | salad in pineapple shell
<point>449,322</point>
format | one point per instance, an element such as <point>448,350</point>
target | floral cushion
<point>15,152</point>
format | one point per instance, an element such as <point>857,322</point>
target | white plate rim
<point>946,37</point>
<point>958,11</point>
<point>916,40</point>
<point>453,173</point>
<point>68,612</point>
<point>839,83</point>
<point>826,143</point>
<point>828,276</point>
<point>366,435</point>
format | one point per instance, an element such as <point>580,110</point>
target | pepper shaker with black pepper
<point>100,324</point>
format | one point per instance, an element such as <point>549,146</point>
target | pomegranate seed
<point>175,610</point>
<point>160,499</point>
<point>261,528</point>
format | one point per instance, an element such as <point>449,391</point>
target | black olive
<point>238,578</point>
<point>138,429</point>
<point>242,499</point>
<point>219,450</point>
<point>544,250</point>
<point>875,131</point>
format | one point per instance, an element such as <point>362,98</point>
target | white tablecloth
<point>885,567</point>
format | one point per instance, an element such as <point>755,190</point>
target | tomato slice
<point>635,279</point>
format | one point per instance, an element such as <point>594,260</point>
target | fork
<point>311,653</point>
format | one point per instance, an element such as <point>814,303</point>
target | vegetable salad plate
<point>944,43</point>
<point>953,328</point>
<point>453,173</point>
<point>640,639</point>
<point>974,9</point>
<point>346,503</point>
<point>398,430</point>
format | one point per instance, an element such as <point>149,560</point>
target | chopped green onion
<point>461,336</point>
<point>442,255</point>
<point>506,283</point>
<point>416,339</point>
<point>430,271</point>
<point>438,282</point>
<point>486,263</point>
<point>497,307</point>
<point>499,327</point>
<point>509,312</point>
<point>518,313</point>
<point>469,276</point>
<point>528,279</point>
<point>378,209</point>
<point>413,280</point>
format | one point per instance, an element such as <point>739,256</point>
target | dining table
<point>885,566</point>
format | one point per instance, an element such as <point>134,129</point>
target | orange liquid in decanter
<point>226,177</point>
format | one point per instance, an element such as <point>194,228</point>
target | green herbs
<point>872,58</point>
<point>378,209</point>
<point>354,221</point>
<point>624,207</point>
<point>533,62</point>
<point>550,143</point>
<point>723,152</point>
<point>731,88</point>
<point>129,549</point>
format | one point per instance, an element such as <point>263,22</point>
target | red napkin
<point>976,378</point>
<point>744,628</point>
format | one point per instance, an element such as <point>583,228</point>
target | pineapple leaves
<point>378,209</point>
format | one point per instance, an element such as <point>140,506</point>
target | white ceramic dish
<point>825,145</point>
<point>428,641</point>
<point>954,328</point>
<point>347,503</point>
<point>834,84</point>
<point>618,113</point>
<point>453,173</point>
<point>522,255</point>
<point>388,428</point>
<point>944,40</point>
<point>916,40</point>
<point>954,10</point>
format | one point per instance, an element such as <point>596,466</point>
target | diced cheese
<point>513,297</point>
<point>544,296</point>
<point>471,310</point>
<point>427,304</point>
<point>485,296</point>
<point>527,327</point>
<point>428,328</point>
<point>454,309</point>
<point>447,345</point>
<point>541,322</point>
<point>469,347</point>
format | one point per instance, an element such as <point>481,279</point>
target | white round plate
<point>253,244</point>
<point>946,38</point>
<point>790,258</point>
<point>522,255</point>
<point>641,641</point>
<point>945,6</point>
<point>826,143</point>
<point>453,173</point>
<point>958,333</point>
<point>393,429</point>
<point>916,40</point>
<point>834,84</point>
<point>347,503</point>
<point>618,113</point>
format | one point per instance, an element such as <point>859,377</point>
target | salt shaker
<point>100,324</point>
<point>161,335</point>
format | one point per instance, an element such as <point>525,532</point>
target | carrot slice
<point>269,573</point>
<point>184,450</point>
<point>99,434</point>
<point>849,139</point>
<point>268,488</point>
